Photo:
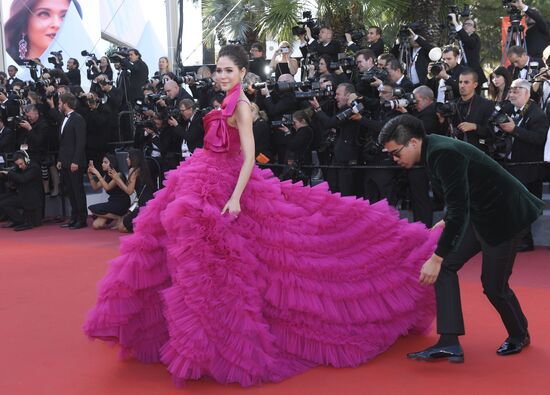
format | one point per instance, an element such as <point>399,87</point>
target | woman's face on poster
<point>44,23</point>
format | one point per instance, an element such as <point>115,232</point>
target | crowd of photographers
<point>329,117</point>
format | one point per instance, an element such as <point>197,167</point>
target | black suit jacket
<point>429,119</point>
<point>74,77</point>
<point>515,70</point>
<point>422,59</point>
<point>332,49</point>
<point>476,189</point>
<point>10,82</point>
<point>477,111</point>
<point>472,47</point>
<point>405,84</point>
<point>139,74</point>
<point>377,47</point>
<point>7,141</point>
<point>72,141</point>
<point>29,185</point>
<point>192,132</point>
<point>537,36</point>
<point>347,147</point>
<point>529,139</point>
<point>36,139</point>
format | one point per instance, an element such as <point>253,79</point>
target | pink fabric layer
<point>302,278</point>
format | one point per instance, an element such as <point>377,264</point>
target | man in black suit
<point>471,43</point>
<point>191,130</point>
<point>7,138</point>
<point>12,72</point>
<point>139,74</point>
<point>419,49</point>
<point>537,36</point>
<point>324,45</point>
<point>488,211</point>
<point>396,76</point>
<point>27,179</point>
<point>471,121</point>
<point>9,108</point>
<point>71,160</point>
<point>448,76</point>
<point>258,63</point>
<point>520,62</point>
<point>374,41</point>
<point>73,72</point>
<point>32,134</point>
<point>112,98</point>
<point>528,125</point>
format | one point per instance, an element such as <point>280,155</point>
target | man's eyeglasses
<point>397,153</point>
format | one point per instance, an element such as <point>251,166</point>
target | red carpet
<point>49,277</point>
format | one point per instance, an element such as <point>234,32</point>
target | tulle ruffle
<point>303,277</point>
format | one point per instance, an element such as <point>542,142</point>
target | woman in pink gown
<point>234,275</point>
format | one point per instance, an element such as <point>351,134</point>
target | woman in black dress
<point>140,182</point>
<point>118,203</point>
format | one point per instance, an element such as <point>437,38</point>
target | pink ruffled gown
<point>302,278</point>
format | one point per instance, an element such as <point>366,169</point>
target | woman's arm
<point>244,123</point>
<point>293,66</point>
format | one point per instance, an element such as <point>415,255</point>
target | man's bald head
<point>286,78</point>
<point>172,89</point>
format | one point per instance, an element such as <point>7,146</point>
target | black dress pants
<point>73,184</point>
<point>496,270</point>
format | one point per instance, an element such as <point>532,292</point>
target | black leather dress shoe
<point>78,225</point>
<point>21,227</point>
<point>68,224</point>
<point>451,353</point>
<point>511,346</point>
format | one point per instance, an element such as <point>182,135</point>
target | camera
<point>172,113</point>
<point>286,120</point>
<point>315,92</point>
<point>513,12</point>
<point>155,97</point>
<point>356,35</point>
<point>404,32</point>
<point>404,100</point>
<point>375,72</point>
<point>145,123</point>
<point>356,107</point>
<point>89,62</point>
<point>498,116</point>
<point>448,109</point>
<point>120,52</point>
<point>453,9</point>
<point>343,61</point>
<point>56,59</point>
<point>308,21</point>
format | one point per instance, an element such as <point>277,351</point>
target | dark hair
<point>112,161</point>
<point>470,72</point>
<point>258,46</point>
<point>451,48</point>
<point>386,56</point>
<point>76,62</point>
<point>516,50</point>
<point>378,30</point>
<point>236,53</point>
<point>367,54</point>
<point>135,51</point>
<point>327,60</point>
<point>16,25</point>
<point>401,129</point>
<point>17,155</point>
<point>14,66</point>
<point>138,162</point>
<point>350,88</point>
<point>30,108</point>
<point>394,64</point>
<point>188,103</point>
<point>493,90</point>
<point>302,115</point>
<point>68,99</point>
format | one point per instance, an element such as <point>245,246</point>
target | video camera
<point>56,59</point>
<point>115,56</point>
<point>404,32</point>
<point>308,21</point>
<point>91,56</point>
<point>513,12</point>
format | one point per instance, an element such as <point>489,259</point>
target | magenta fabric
<point>302,278</point>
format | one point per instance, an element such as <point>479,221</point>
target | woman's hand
<point>113,174</point>
<point>233,207</point>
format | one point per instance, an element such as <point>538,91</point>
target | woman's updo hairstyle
<point>236,53</point>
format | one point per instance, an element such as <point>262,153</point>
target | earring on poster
<point>23,47</point>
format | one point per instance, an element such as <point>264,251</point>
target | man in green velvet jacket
<point>488,210</point>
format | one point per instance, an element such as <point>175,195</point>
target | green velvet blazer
<point>477,190</point>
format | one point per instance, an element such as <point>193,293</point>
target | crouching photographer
<point>24,207</point>
<point>298,144</point>
<point>188,127</point>
<point>527,126</point>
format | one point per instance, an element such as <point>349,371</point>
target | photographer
<point>324,45</point>
<point>528,126</point>
<point>175,94</point>
<point>445,73</point>
<point>521,64</point>
<point>418,49</point>
<point>471,119</point>
<point>537,36</point>
<point>425,107</point>
<point>298,142</point>
<point>471,43</point>
<point>95,70</point>
<point>347,148</point>
<point>111,98</point>
<point>324,69</point>
<point>368,77</point>
<point>32,134</point>
<point>191,130</point>
<point>262,135</point>
<point>7,139</point>
<point>397,77</point>
<point>9,107</point>
<point>24,208</point>
<point>73,72</point>
<point>258,63</point>
<point>162,141</point>
<point>97,128</point>
<point>281,61</point>
<point>12,73</point>
<point>374,41</point>
<point>139,73</point>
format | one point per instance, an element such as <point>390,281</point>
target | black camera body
<point>308,21</point>
<point>453,9</point>
<point>346,62</point>
<point>285,120</point>
<point>56,59</point>
<point>356,107</point>
<point>375,72</point>
<point>120,52</point>
<point>498,116</point>
<point>437,67</point>
<point>356,35</point>
<point>89,62</point>
<point>513,12</point>
<point>404,32</point>
<point>448,109</point>
<point>315,92</point>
